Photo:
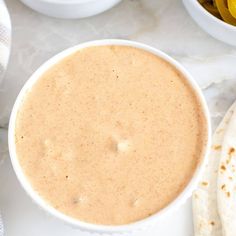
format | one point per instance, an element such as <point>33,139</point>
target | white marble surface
<point>162,24</point>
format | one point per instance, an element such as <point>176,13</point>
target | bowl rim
<point>180,199</point>
<point>197,4</point>
<point>68,2</point>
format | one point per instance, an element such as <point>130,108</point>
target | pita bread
<point>205,212</point>
<point>226,183</point>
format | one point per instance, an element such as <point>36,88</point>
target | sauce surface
<point>110,134</point>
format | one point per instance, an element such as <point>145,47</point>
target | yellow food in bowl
<point>222,9</point>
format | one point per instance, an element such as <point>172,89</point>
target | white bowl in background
<point>70,9</point>
<point>141,224</point>
<point>211,24</point>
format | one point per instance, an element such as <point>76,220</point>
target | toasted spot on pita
<point>223,167</point>
<point>231,151</point>
<point>212,223</point>
<point>223,187</point>
<point>217,147</point>
<point>204,183</point>
<point>233,168</point>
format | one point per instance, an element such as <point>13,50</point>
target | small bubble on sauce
<point>119,145</point>
<point>122,146</point>
<point>135,202</point>
<point>80,200</point>
<point>47,142</point>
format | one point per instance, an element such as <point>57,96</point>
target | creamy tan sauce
<point>110,135</point>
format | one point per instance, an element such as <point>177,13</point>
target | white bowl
<point>211,24</point>
<point>74,222</point>
<point>70,9</point>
